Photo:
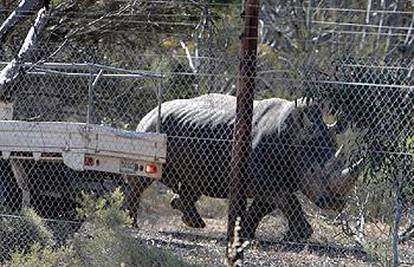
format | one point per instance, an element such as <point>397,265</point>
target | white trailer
<point>81,147</point>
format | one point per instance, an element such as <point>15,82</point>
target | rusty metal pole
<point>242,133</point>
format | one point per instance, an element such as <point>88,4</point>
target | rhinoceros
<point>292,150</point>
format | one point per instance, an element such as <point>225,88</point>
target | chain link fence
<point>330,170</point>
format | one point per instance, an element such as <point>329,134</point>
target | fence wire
<point>331,164</point>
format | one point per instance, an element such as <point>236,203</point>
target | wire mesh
<point>330,170</point>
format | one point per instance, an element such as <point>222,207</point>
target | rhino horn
<point>306,121</point>
<point>354,168</point>
<point>347,177</point>
<point>332,126</point>
<point>337,162</point>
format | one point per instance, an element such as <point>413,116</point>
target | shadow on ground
<point>320,249</point>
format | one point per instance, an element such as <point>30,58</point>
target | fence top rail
<point>89,68</point>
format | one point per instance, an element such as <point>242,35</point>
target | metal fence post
<point>401,172</point>
<point>159,100</point>
<point>91,97</point>
<point>242,134</point>
<point>395,227</point>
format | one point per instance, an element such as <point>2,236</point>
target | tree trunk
<point>16,16</point>
<point>367,19</point>
<point>381,23</point>
<point>11,71</point>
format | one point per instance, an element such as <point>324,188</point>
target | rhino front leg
<point>255,213</point>
<point>137,186</point>
<point>299,227</point>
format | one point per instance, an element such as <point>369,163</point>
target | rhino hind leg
<point>190,215</point>
<point>137,187</point>
<point>299,227</point>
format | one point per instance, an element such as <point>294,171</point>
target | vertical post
<point>91,97</point>
<point>90,92</point>
<point>395,228</point>
<point>400,174</point>
<point>210,76</point>
<point>159,100</point>
<point>242,133</point>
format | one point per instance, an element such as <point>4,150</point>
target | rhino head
<point>329,185</point>
<point>328,177</point>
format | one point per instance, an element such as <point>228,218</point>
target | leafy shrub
<point>109,247</point>
<point>105,238</point>
<point>105,211</point>
<point>20,233</point>
<point>39,256</point>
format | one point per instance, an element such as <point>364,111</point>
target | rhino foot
<point>190,216</point>
<point>248,234</point>
<point>193,222</point>
<point>176,203</point>
<point>298,234</point>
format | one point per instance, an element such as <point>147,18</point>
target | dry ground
<point>329,246</point>
<point>207,246</point>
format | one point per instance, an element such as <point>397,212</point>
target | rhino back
<point>213,116</point>
<point>201,117</point>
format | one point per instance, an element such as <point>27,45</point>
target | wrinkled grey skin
<point>292,148</point>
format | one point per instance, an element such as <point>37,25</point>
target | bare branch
<point>189,58</point>
<point>11,71</point>
<point>367,19</point>
<point>381,22</point>
<point>86,29</point>
<point>16,16</point>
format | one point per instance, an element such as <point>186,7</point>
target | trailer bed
<point>84,146</point>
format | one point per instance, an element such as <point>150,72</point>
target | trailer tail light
<point>88,161</point>
<point>151,168</point>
